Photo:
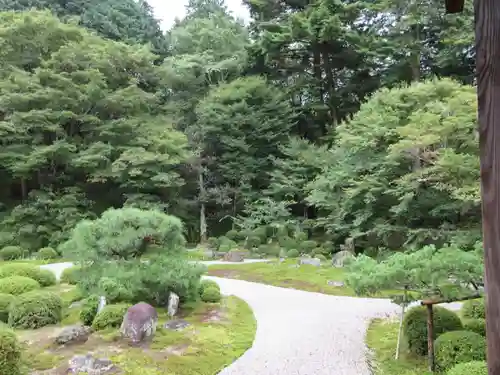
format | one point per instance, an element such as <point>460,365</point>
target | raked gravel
<point>301,333</point>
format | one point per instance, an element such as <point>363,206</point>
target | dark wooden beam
<point>454,6</point>
<point>487,20</point>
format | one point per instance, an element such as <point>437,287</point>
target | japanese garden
<point>296,194</point>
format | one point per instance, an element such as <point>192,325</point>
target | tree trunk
<point>203,219</point>
<point>400,331</point>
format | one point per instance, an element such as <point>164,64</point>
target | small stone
<point>73,335</point>
<point>102,304</point>
<point>76,304</point>
<point>176,325</point>
<point>173,304</point>
<point>334,283</point>
<point>310,261</point>
<point>139,322</point>
<point>87,364</point>
<point>234,256</point>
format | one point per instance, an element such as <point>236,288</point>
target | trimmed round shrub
<point>17,285</point>
<point>5,301</point>
<point>252,241</point>
<point>113,291</point>
<point>110,316</point>
<point>320,257</point>
<point>206,284</point>
<point>47,253</point>
<point>213,242</point>
<point>227,245</point>
<point>415,326</point>
<point>46,278</point>
<point>452,348</point>
<point>10,352</point>
<point>301,236</point>
<point>211,294</point>
<point>233,235</point>
<point>27,270</point>
<point>469,368</point>
<point>294,253</point>
<point>89,310</point>
<point>35,309</point>
<point>70,275</point>
<point>261,232</point>
<point>11,253</point>
<point>474,309</point>
<point>475,325</point>
<point>308,246</point>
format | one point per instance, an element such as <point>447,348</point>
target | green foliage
<point>474,309</point>
<point>252,242</point>
<point>47,253</point>
<point>211,294</point>
<point>205,284</point>
<point>11,253</point>
<point>10,352</point>
<point>17,285</point>
<point>308,246</point>
<point>456,347</point>
<point>89,309</point>
<point>70,275</point>
<point>320,257</point>
<point>213,242</point>
<point>415,326</point>
<point>5,302</point>
<point>43,277</point>
<point>233,235</point>
<point>113,290</point>
<point>35,309</point>
<point>477,325</point>
<point>111,316</point>
<point>225,244</point>
<point>293,253</point>
<point>46,278</point>
<point>469,368</point>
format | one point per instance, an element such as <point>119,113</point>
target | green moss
<point>44,361</point>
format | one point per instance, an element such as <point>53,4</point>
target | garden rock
<point>173,304</point>
<point>102,304</point>
<point>87,364</point>
<point>339,259</point>
<point>234,256</point>
<point>310,261</point>
<point>139,322</point>
<point>176,325</point>
<point>334,283</point>
<point>76,334</point>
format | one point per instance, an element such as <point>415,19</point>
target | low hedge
<point>110,316</point>
<point>47,253</point>
<point>10,352</point>
<point>5,302</point>
<point>474,309</point>
<point>89,308</point>
<point>469,368</point>
<point>211,295</point>
<point>475,325</point>
<point>11,253</point>
<point>452,348</point>
<point>35,309</point>
<point>42,276</point>
<point>17,285</point>
<point>70,275</point>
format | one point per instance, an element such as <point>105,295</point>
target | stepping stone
<point>176,325</point>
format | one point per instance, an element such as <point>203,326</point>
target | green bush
<point>226,245</point>
<point>17,285</point>
<point>321,257</point>
<point>70,275</point>
<point>469,368</point>
<point>474,309</point>
<point>11,253</point>
<point>110,316</point>
<point>89,310</point>
<point>10,352</point>
<point>206,284</point>
<point>252,242</point>
<point>287,243</point>
<point>5,301</point>
<point>211,294</point>
<point>47,253</point>
<point>415,326</point>
<point>114,291</point>
<point>261,232</point>
<point>35,309</point>
<point>300,236</point>
<point>452,348</point>
<point>233,235</point>
<point>475,325</point>
<point>308,246</point>
<point>213,243</point>
<point>294,253</point>
<point>27,270</point>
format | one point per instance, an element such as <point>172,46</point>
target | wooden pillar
<point>430,337</point>
<point>487,14</point>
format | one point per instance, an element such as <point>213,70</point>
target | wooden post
<point>487,24</point>
<point>430,337</point>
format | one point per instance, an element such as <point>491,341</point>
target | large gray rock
<point>139,322</point>
<point>76,334</point>
<point>235,256</point>
<point>87,364</point>
<point>310,261</point>
<point>173,304</point>
<point>340,259</point>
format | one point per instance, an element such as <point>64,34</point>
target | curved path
<point>301,333</point>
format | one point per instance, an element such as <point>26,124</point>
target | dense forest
<point>345,118</point>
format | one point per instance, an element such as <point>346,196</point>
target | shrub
<point>89,310</point>
<point>294,253</point>
<point>469,368</point>
<point>474,309</point>
<point>321,257</point>
<point>252,241</point>
<point>27,270</point>
<point>35,309</point>
<point>301,236</point>
<point>206,284</point>
<point>227,245</point>
<point>308,246</point>
<point>10,352</point>
<point>47,253</point>
<point>213,242</point>
<point>287,243</point>
<point>114,291</point>
<point>233,235</point>
<point>70,275</point>
<point>211,294</point>
<point>5,301</point>
<point>261,232</point>
<point>452,348</point>
<point>475,325</point>
<point>110,316</point>
<point>415,326</point>
<point>17,285</point>
<point>11,253</point>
